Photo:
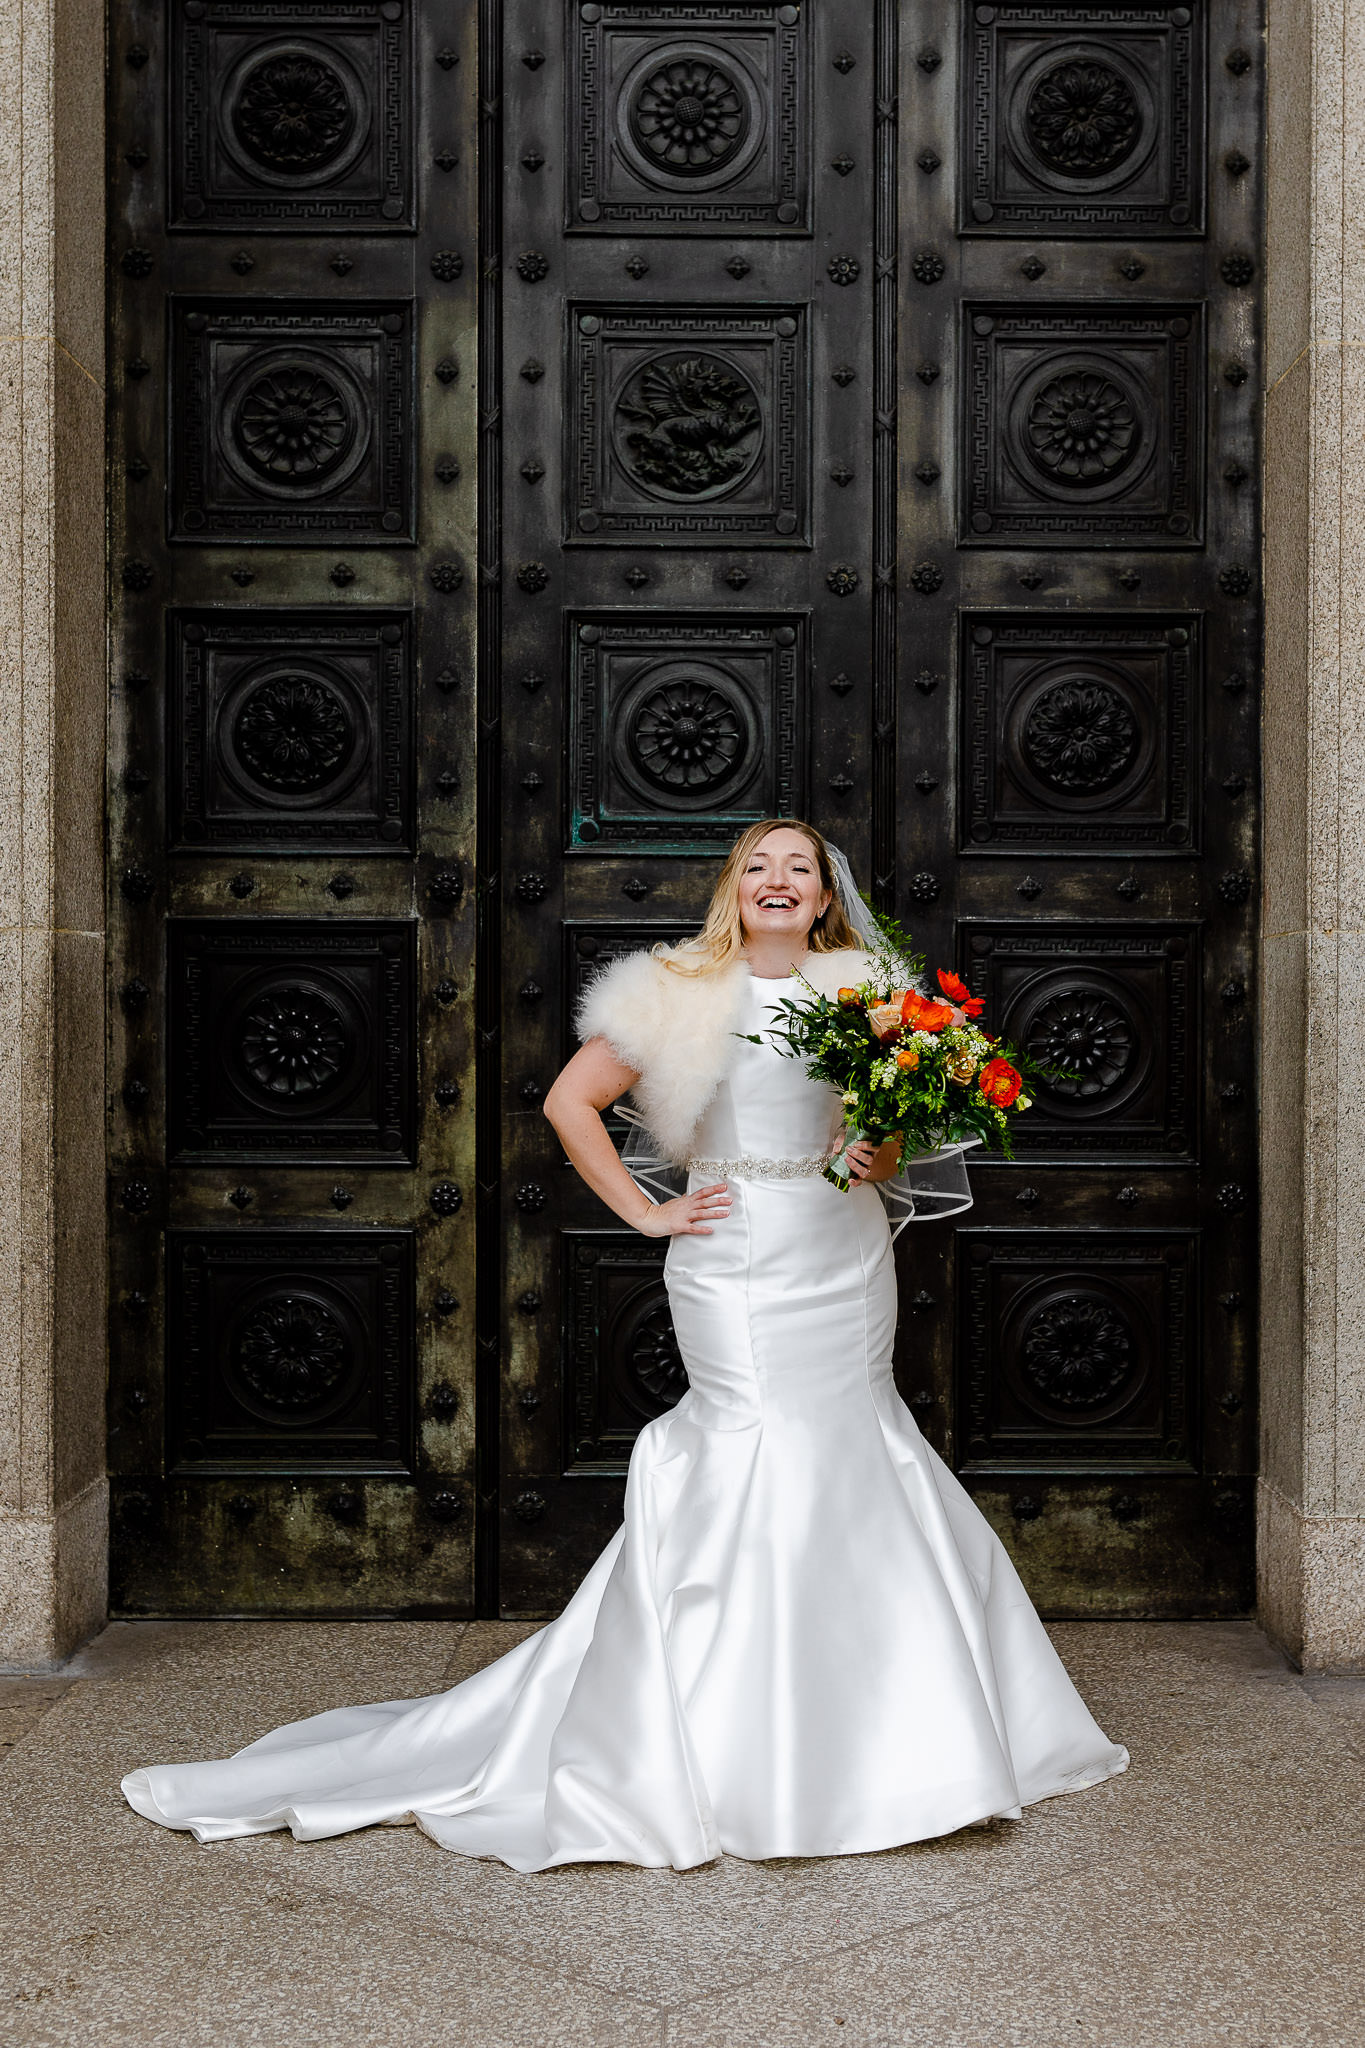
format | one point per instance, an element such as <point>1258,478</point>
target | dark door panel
<point>293,250</point>
<point>1083,313</point>
<point>697,569</point>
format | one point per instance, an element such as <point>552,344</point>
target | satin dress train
<point>804,1640</point>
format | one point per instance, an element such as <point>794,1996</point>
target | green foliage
<point>898,964</point>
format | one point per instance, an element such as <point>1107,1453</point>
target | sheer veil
<point>927,1186</point>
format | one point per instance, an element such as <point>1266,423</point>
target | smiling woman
<point>805,1640</point>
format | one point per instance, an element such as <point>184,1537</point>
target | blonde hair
<point>721,937</point>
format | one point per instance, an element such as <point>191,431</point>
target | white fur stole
<point>677,1031</point>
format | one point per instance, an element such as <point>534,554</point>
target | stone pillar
<point>1311,1517</point>
<point>53,1493</point>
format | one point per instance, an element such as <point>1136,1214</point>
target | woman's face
<point>780,890</point>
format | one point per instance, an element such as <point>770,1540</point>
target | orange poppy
<point>921,1013</point>
<point>957,991</point>
<point>1000,1083</point>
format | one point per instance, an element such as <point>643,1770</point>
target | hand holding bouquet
<point>910,1066</point>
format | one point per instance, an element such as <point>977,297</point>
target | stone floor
<point>1214,1894</point>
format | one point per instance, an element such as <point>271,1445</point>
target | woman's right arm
<point>590,1083</point>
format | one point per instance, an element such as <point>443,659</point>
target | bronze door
<point>542,441</point>
<point>292,372</point>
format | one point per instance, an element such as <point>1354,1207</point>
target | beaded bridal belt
<point>750,1168</point>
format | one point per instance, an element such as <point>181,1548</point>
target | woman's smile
<point>780,890</point>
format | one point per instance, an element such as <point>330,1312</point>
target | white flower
<point>849,1100</point>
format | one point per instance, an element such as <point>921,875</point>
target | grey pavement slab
<point>1213,1894</point>
<point>1158,1950</point>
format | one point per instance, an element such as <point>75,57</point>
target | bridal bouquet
<point>908,1065</point>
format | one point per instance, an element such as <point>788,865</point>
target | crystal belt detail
<point>750,1168</point>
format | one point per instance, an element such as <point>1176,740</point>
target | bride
<point>805,1640</point>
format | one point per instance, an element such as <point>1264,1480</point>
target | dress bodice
<point>767,1106</point>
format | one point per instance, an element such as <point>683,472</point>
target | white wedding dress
<point>805,1640</point>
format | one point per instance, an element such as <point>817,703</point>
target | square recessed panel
<point>1076,1349</point>
<point>1080,735</point>
<point>688,120</point>
<point>289,423</point>
<point>1083,121</point>
<point>1083,426</point>
<point>622,1366</point>
<point>291,118</point>
<point>290,1348</point>
<point>291,1041</point>
<point>736,381</point>
<point>682,729</point>
<point>1118,1009</point>
<point>290,729</point>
